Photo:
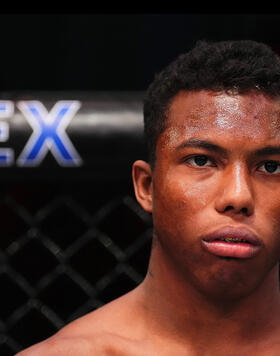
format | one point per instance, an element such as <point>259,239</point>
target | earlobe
<point>142,181</point>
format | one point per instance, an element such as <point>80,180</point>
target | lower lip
<point>231,249</point>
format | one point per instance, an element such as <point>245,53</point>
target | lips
<point>232,242</point>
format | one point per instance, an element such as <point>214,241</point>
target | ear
<point>142,181</point>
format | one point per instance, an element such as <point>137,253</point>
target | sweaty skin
<point>193,303</point>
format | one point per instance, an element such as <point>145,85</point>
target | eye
<point>271,167</point>
<point>199,160</point>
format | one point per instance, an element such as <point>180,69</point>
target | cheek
<point>272,216</point>
<point>179,202</point>
<point>266,221</point>
<point>195,194</point>
<point>268,206</point>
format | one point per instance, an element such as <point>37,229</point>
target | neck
<point>177,310</point>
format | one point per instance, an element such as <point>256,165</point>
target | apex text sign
<point>48,133</point>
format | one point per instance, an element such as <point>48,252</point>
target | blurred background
<point>72,235</point>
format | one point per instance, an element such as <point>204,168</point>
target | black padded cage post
<point>73,236</point>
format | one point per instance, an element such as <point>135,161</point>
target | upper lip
<point>233,232</point>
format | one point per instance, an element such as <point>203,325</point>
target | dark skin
<point>193,303</point>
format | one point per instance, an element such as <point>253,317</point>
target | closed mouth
<point>232,242</point>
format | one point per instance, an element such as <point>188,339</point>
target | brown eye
<point>271,166</point>
<point>200,160</point>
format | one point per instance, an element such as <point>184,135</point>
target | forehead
<point>253,115</point>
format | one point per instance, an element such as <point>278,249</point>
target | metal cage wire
<point>72,239</point>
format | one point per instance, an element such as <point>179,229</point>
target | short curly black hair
<point>226,66</point>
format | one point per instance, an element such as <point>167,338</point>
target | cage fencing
<point>72,239</point>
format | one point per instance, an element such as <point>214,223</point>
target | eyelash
<point>210,159</point>
<point>278,164</point>
<point>193,157</point>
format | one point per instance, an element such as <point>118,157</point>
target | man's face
<point>197,190</point>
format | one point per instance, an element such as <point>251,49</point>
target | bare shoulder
<point>114,318</point>
<point>105,331</point>
<point>100,344</point>
<point>59,345</point>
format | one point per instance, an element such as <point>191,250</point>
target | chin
<point>228,280</point>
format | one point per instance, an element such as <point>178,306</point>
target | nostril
<point>230,207</point>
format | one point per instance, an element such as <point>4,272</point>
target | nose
<point>235,195</point>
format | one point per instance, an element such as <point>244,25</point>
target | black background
<point>111,51</point>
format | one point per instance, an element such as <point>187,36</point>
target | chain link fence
<point>66,249</point>
<point>72,239</point>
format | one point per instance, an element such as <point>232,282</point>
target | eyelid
<point>266,161</point>
<point>198,155</point>
<point>212,160</point>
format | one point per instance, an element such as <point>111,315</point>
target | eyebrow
<point>269,150</point>
<point>264,151</point>
<point>194,142</point>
